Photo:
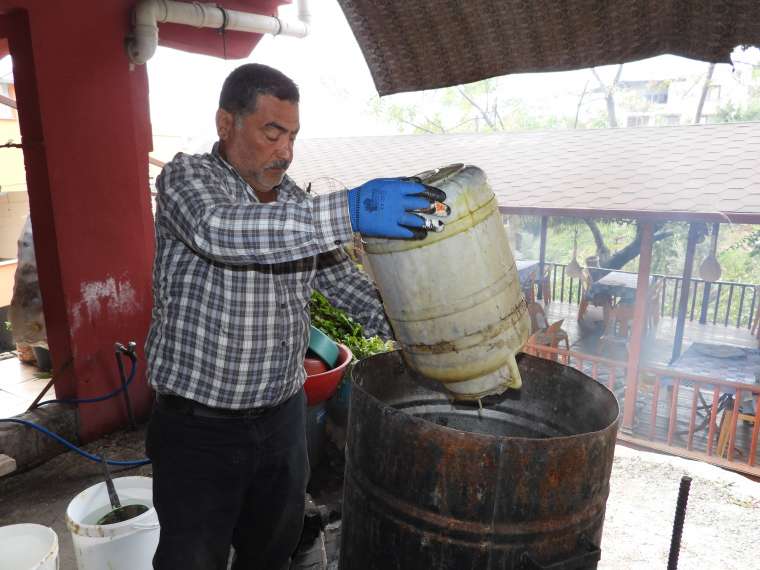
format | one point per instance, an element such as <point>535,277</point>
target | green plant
<point>343,329</point>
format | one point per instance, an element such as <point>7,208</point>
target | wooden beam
<point>638,329</point>
<point>7,101</point>
<point>688,268</point>
<point>542,255</point>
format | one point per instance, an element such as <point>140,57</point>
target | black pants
<point>222,481</point>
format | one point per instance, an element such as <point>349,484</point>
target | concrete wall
<point>14,208</point>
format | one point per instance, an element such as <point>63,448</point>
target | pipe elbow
<point>142,43</point>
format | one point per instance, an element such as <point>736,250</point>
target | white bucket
<point>127,545</point>
<point>28,547</point>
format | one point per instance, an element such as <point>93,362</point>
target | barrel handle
<point>586,559</point>
<point>145,526</point>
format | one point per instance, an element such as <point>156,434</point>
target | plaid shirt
<point>232,280</point>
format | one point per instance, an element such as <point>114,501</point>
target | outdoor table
<point>732,363</point>
<point>616,285</point>
<point>527,270</point>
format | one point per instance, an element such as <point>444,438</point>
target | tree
<point>609,94</point>
<point>703,95</point>
<point>476,107</point>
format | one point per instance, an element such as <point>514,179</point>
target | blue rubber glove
<point>385,208</point>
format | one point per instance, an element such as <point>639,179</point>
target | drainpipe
<point>141,45</point>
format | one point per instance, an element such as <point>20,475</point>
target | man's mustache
<point>279,164</point>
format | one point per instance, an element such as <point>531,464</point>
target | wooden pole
<point>638,329</point>
<point>691,246</point>
<point>542,255</point>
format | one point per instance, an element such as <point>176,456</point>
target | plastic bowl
<point>320,387</point>
<point>323,347</point>
<point>314,366</point>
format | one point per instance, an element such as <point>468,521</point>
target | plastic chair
<point>614,342</point>
<point>538,320</point>
<point>551,336</point>
<point>593,314</point>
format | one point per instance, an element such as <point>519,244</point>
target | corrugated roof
<point>708,172</point>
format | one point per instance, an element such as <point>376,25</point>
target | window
<point>659,97</point>
<point>670,120</point>
<point>638,120</point>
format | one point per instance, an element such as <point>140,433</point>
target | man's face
<point>260,145</point>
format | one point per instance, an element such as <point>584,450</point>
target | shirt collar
<point>284,189</point>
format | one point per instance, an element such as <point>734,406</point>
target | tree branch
<point>703,95</point>
<point>498,115</point>
<point>601,248</point>
<point>632,250</point>
<point>417,126</point>
<point>474,104</point>
<point>580,104</point>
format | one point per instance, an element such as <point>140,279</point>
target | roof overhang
<point>705,173</point>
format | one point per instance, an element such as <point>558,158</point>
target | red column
<point>638,329</point>
<point>85,129</point>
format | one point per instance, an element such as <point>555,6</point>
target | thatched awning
<point>412,45</point>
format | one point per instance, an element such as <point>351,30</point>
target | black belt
<point>188,407</point>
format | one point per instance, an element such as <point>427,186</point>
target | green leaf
<point>336,324</point>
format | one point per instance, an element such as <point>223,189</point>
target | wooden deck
<point>658,349</point>
<point>692,411</point>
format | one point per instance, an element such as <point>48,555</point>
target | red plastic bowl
<point>320,387</point>
<point>314,366</point>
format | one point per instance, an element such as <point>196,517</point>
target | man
<point>239,248</point>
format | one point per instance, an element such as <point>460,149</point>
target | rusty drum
<point>520,483</point>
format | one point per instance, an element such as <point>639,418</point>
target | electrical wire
<point>98,398</point>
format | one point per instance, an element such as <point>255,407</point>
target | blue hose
<point>73,447</point>
<point>70,445</point>
<point>99,398</point>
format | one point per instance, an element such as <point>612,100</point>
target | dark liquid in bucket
<point>122,514</point>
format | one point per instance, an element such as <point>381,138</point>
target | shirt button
<point>338,242</point>
<point>283,305</point>
<point>283,343</point>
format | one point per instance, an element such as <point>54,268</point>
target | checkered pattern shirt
<point>232,280</point>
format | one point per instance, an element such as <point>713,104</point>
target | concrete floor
<point>41,495</point>
<point>720,532</point>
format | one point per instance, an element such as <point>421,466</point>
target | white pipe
<point>148,13</point>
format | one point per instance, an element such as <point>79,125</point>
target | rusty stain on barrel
<point>431,484</point>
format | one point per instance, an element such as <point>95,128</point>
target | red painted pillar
<point>638,328</point>
<point>86,134</point>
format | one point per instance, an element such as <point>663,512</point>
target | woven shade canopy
<point>412,45</point>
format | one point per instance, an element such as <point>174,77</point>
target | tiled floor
<point>19,385</point>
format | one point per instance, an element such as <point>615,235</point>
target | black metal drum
<point>521,482</point>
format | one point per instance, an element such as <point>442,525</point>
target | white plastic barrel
<point>28,547</point>
<point>128,545</point>
<point>454,299</point>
